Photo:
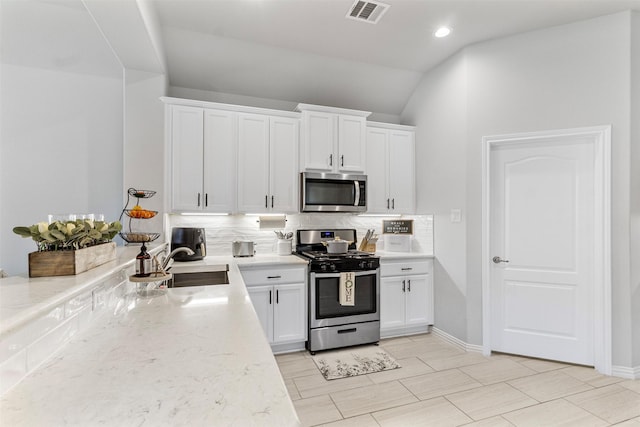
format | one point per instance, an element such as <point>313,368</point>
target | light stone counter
<point>193,356</point>
<point>388,255</point>
<point>257,261</point>
<point>23,299</point>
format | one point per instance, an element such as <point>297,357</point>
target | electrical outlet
<point>456,215</point>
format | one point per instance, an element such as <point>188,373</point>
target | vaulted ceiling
<point>291,50</point>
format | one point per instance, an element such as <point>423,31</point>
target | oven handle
<point>357,273</point>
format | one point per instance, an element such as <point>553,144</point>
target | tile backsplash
<point>222,230</point>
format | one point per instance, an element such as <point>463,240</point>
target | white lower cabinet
<point>406,297</point>
<point>279,296</point>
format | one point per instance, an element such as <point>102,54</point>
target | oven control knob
<point>372,265</point>
<point>323,267</point>
<point>362,265</point>
<point>333,267</point>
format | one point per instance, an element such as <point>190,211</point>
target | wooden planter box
<point>65,263</point>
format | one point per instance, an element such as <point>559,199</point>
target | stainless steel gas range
<point>333,322</point>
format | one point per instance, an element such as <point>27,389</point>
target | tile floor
<point>441,385</point>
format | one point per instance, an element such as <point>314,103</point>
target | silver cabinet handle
<point>498,260</point>
<point>403,285</point>
<point>269,297</point>
<point>198,199</point>
<point>206,199</point>
<point>393,203</point>
<point>407,268</point>
<point>409,282</point>
<point>271,201</point>
<point>330,159</point>
<point>387,203</point>
<point>274,277</point>
<point>266,201</point>
<point>342,160</point>
<point>277,296</point>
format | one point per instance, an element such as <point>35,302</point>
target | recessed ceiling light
<point>442,32</point>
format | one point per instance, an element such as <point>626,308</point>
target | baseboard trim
<point>404,331</point>
<point>626,372</point>
<point>616,371</point>
<point>456,341</point>
<point>288,347</point>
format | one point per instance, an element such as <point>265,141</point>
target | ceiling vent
<point>367,11</point>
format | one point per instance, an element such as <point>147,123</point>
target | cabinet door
<point>289,313</point>
<point>351,144</point>
<point>419,300</point>
<point>377,171</point>
<point>219,161</point>
<point>283,141</point>
<point>186,158</point>
<point>262,300</point>
<point>253,163</point>
<point>401,171</point>
<point>319,135</point>
<point>392,300</point>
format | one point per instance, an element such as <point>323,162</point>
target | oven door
<point>324,299</point>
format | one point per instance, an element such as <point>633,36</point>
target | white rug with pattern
<point>353,361</point>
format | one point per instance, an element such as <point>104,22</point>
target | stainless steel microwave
<point>333,192</point>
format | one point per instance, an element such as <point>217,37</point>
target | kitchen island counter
<point>191,356</point>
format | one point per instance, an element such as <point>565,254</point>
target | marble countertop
<point>192,356</point>
<point>23,298</point>
<point>257,261</point>
<point>388,255</point>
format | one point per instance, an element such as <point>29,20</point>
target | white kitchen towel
<point>347,288</point>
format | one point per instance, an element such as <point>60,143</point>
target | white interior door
<point>542,197</point>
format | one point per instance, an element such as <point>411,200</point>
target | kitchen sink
<point>219,276</point>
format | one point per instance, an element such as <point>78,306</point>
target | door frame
<point>600,138</point>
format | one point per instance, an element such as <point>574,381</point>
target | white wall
<point>61,151</point>
<point>438,108</point>
<point>144,165</point>
<point>562,77</point>
<point>635,184</point>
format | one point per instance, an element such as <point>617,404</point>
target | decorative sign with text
<point>397,226</point>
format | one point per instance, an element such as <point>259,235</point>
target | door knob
<point>498,260</point>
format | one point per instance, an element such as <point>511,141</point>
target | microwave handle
<point>357,184</point>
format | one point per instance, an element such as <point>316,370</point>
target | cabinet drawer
<point>405,268</point>
<point>267,277</point>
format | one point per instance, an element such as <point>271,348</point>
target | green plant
<point>70,235</point>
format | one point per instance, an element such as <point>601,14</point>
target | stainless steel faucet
<point>168,258</point>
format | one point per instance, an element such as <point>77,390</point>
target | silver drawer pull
<point>407,268</point>
<point>274,277</point>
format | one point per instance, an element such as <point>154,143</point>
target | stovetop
<point>320,255</point>
<point>309,246</point>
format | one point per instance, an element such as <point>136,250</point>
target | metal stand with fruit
<point>138,212</point>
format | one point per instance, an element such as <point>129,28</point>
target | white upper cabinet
<point>219,161</point>
<point>333,139</point>
<point>267,163</point>
<point>390,169</point>
<point>284,140</point>
<point>186,124</point>
<point>351,146</point>
<point>202,159</point>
